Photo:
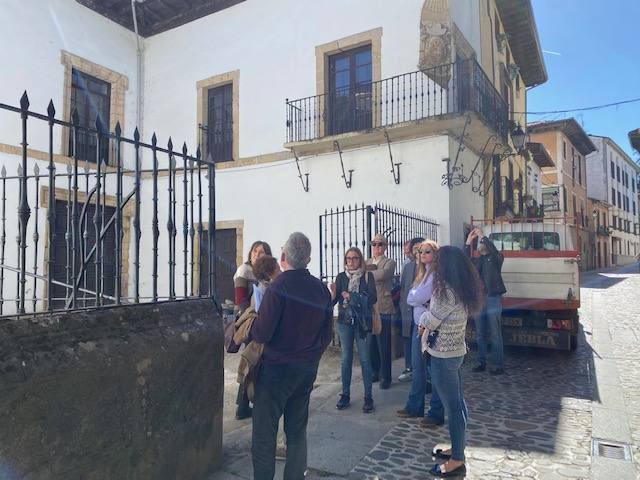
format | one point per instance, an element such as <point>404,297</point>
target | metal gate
<point>353,226</point>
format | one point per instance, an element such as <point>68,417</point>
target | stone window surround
<point>238,225</point>
<point>323,52</point>
<point>202,87</point>
<point>127,217</point>
<point>119,85</point>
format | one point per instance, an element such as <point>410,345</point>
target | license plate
<point>554,340</point>
<point>511,321</point>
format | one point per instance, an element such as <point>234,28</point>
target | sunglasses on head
<point>377,244</point>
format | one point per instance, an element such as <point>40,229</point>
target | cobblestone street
<point>538,420</point>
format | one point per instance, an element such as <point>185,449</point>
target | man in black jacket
<point>489,265</point>
<point>295,324</point>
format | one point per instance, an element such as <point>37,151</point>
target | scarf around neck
<point>354,279</point>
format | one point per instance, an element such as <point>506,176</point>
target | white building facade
<point>611,177</point>
<point>410,108</point>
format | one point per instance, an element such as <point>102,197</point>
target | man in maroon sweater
<point>295,325</point>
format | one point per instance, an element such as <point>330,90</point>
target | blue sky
<point>595,60</point>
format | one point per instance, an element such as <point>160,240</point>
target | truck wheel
<point>574,343</point>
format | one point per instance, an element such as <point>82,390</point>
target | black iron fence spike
<point>51,110</point>
<point>99,124</point>
<point>118,129</point>
<point>184,149</point>
<point>24,102</point>
<point>136,135</point>
<point>170,145</point>
<point>154,140</point>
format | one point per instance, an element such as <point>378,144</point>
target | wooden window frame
<point>202,88</point>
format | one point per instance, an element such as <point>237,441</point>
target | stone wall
<point>130,392</point>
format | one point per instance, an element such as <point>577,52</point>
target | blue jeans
<point>447,380</point>
<point>281,389</point>
<point>488,321</point>
<point>347,334</point>
<point>415,401</point>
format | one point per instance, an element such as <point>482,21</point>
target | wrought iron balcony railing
<point>453,88</point>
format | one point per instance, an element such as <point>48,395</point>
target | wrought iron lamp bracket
<point>347,181</point>
<point>395,167</point>
<point>455,175</point>
<point>305,181</point>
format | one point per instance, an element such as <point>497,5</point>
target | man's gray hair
<point>297,250</point>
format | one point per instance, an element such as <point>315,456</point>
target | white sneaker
<point>405,376</point>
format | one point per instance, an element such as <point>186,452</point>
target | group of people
<point>440,288</point>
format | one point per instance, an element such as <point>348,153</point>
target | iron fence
<point>355,225</point>
<point>452,88</point>
<point>114,235</point>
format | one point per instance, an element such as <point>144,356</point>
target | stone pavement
<point>536,421</point>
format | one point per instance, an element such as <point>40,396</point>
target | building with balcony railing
<point>302,105</point>
<point>565,181</point>
<point>613,180</point>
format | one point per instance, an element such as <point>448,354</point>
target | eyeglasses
<point>424,251</point>
<point>352,258</point>
<point>377,244</point>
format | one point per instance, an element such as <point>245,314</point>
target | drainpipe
<point>139,93</point>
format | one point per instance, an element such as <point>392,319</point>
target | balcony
<point>603,231</point>
<point>444,93</point>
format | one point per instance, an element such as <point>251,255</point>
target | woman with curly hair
<point>457,294</point>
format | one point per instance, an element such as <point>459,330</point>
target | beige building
<point>565,184</point>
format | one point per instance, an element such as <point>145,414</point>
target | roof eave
<point>520,25</point>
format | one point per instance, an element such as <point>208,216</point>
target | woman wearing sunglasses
<point>419,297</point>
<point>351,281</point>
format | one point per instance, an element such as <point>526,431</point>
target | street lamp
<point>519,138</point>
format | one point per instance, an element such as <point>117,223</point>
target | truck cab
<point>542,277</point>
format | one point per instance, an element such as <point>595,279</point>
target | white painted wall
<point>273,45</point>
<point>272,203</point>
<point>463,202</point>
<point>32,34</point>
<point>598,171</point>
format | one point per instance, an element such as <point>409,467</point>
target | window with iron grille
<point>613,196</point>
<point>220,123</point>
<point>90,97</point>
<point>613,170</point>
<point>350,99</point>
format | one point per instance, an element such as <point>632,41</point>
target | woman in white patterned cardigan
<point>457,294</point>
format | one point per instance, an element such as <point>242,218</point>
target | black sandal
<point>436,470</point>
<point>439,453</point>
